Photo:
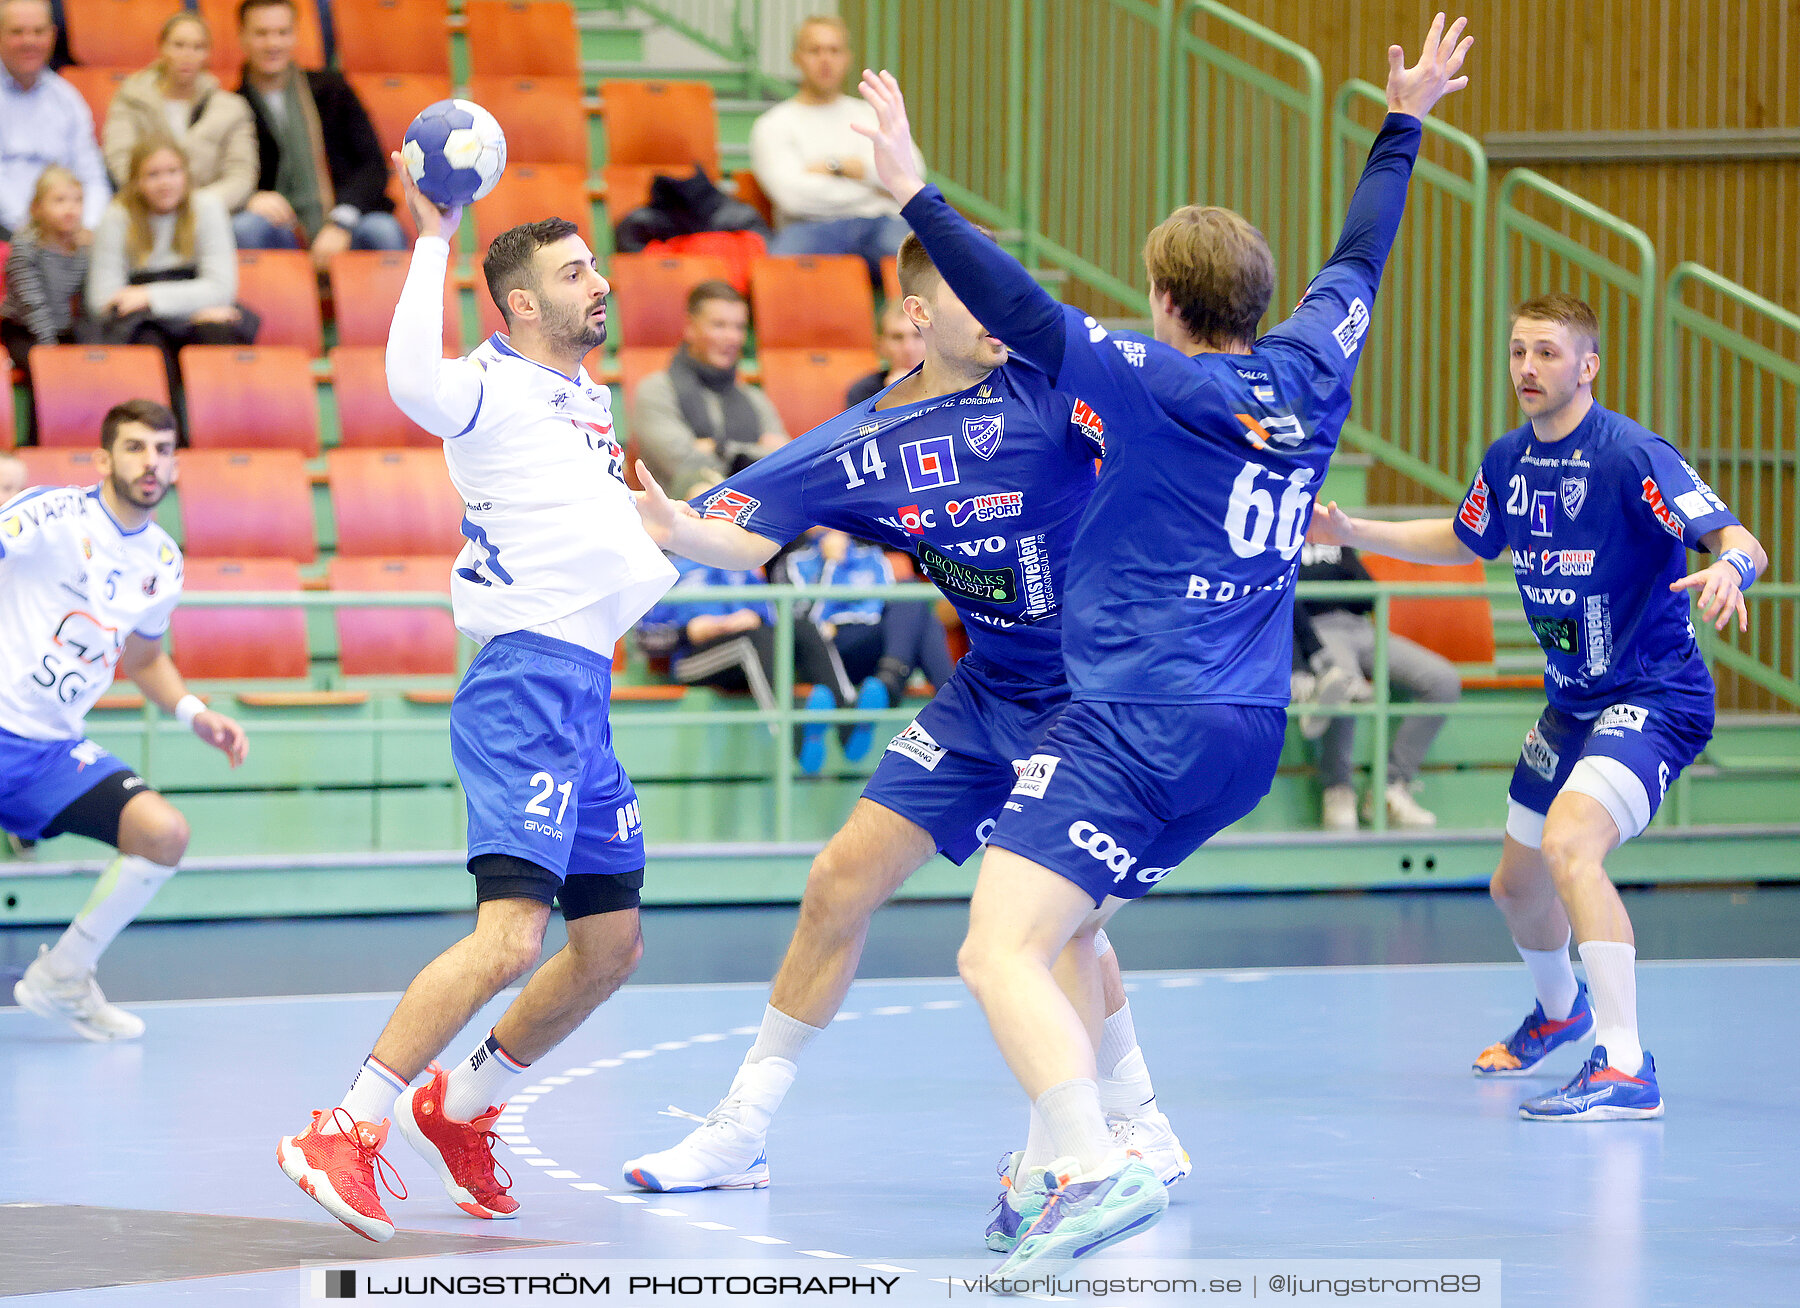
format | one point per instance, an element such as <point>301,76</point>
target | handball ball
<point>455,152</point>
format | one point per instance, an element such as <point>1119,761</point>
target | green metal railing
<point>1422,386</point>
<point>1536,251</point>
<point>753,34</point>
<point>1731,401</point>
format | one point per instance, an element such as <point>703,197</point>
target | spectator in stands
<point>46,269</point>
<point>164,270</point>
<point>177,98</point>
<point>902,350</point>
<point>816,171</point>
<point>731,645</point>
<point>697,417</point>
<point>43,120</point>
<point>1348,635</point>
<point>13,474</point>
<point>323,176</point>
<point>879,642</point>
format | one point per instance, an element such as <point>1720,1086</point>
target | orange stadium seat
<point>252,504</point>
<point>523,38</point>
<point>97,85</point>
<point>400,641</point>
<point>807,386</point>
<point>661,123</point>
<point>627,186</point>
<point>636,363</point>
<point>365,287</point>
<point>812,301</point>
<point>890,277</point>
<point>529,192</point>
<point>367,415</point>
<point>250,397</point>
<point>74,385</point>
<point>392,36</point>
<point>1460,627</point>
<point>393,100</point>
<point>543,117</point>
<point>61,466</point>
<point>117,32</point>
<point>284,290</point>
<point>394,502</point>
<point>750,191</point>
<point>649,294</point>
<point>247,642</point>
<point>228,57</point>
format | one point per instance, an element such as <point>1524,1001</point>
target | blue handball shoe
<point>1537,1035</point>
<point>1600,1092</point>
<point>1085,1213</point>
<point>812,735</point>
<point>873,696</point>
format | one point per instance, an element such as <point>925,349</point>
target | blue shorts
<point>952,768</point>
<point>533,749</point>
<point>1629,754</point>
<point>40,778</point>
<point>1117,795</point>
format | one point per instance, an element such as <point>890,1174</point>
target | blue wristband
<point>1746,569</point>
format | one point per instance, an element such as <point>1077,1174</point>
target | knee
<point>510,951</point>
<point>606,969</point>
<point>158,833</point>
<point>1442,685</point>
<point>838,896</point>
<point>1569,854</point>
<point>974,963</point>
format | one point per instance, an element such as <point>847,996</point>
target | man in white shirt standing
<point>817,172</point>
<point>557,568</point>
<point>87,584</point>
<point>43,120</point>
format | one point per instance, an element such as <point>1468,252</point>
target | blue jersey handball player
<point>980,469</point>
<point>1178,612</point>
<point>1598,515</point>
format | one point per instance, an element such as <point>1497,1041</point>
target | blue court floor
<point>1329,1112</point>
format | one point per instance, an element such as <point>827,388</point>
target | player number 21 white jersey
<point>73,586</point>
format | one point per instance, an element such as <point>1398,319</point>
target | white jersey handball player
<point>87,584</point>
<point>556,568</point>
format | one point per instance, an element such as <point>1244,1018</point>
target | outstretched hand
<point>223,734</point>
<point>895,163</point>
<point>1330,525</point>
<point>1414,90</point>
<point>660,514</point>
<point>427,217</point>
<point>1720,594</point>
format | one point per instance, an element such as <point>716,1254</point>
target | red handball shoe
<point>338,1169</point>
<point>462,1152</point>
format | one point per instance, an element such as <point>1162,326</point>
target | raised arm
<point>442,395</point>
<point>1004,298</point>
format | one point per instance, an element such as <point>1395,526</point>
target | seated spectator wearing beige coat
<point>698,418</point>
<point>176,98</point>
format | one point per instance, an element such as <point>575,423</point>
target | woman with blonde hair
<point>177,98</point>
<point>164,268</point>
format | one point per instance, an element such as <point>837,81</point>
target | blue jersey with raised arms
<point>984,488</point>
<point>1598,524</point>
<point>1180,585</point>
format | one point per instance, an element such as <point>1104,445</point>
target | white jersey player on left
<point>556,569</point>
<point>87,584</point>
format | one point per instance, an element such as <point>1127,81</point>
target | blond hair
<point>821,20</point>
<point>1217,269</point>
<point>139,241</point>
<point>53,175</point>
<point>1558,307</point>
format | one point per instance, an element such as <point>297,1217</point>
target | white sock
<point>781,1036</point>
<point>1039,1152</point>
<point>1071,1111</point>
<point>1612,986</point>
<point>370,1097</point>
<point>479,1082</point>
<point>1553,977</point>
<point>1125,1089</point>
<point>127,884</point>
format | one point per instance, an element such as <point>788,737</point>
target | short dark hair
<point>507,264</point>
<point>1572,312</point>
<point>245,6</point>
<point>146,412</point>
<point>710,290</point>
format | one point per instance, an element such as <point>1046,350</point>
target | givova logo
<point>336,1284</point>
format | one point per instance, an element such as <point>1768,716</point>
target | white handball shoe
<point>727,1151</point>
<point>1153,1137</point>
<point>77,1001</point>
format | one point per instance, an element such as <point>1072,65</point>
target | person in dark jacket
<point>323,177</point>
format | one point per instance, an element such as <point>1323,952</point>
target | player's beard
<point>128,492</point>
<point>569,330</point>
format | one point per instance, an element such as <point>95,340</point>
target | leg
<point>834,236</point>
<point>377,231</point>
<point>1430,678</point>
<point>602,952</point>
<point>1341,638</point>
<point>254,232</point>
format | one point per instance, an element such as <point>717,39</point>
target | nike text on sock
<point>479,1082</point>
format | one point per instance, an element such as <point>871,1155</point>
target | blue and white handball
<point>455,152</point>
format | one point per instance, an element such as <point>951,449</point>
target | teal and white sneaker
<point>1019,1204</point>
<point>1085,1213</point>
<point>1153,1136</point>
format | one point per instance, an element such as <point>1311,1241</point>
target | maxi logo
<point>929,463</point>
<point>1095,430</point>
<point>984,508</point>
<point>982,435</point>
<point>989,585</point>
<point>1474,512</point>
<point>1671,521</point>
